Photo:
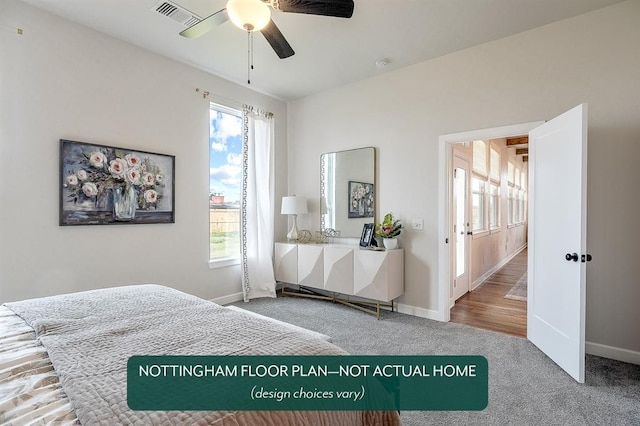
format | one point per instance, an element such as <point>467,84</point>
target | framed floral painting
<point>105,185</point>
<point>361,199</point>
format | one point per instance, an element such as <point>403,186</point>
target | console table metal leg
<point>372,308</point>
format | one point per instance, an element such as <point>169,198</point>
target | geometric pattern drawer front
<point>310,266</point>
<point>370,275</point>
<point>286,263</point>
<point>379,275</point>
<point>338,269</point>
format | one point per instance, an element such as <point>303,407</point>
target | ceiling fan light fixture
<point>249,15</point>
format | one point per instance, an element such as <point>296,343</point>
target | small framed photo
<point>367,235</point>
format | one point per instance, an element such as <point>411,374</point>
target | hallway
<point>486,307</point>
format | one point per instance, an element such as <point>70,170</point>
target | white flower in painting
<point>72,180</point>
<point>82,175</point>
<point>148,179</point>
<point>159,178</point>
<point>90,189</point>
<point>133,176</point>
<point>97,159</point>
<point>118,167</point>
<point>132,160</point>
<point>150,196</point>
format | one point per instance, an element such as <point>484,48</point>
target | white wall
<point>528,77</point>
<point>62,80</point>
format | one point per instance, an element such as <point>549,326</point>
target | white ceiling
<point>330,52</point>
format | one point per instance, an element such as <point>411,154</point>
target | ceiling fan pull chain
<point>251,48</point>
<point>249,65</point>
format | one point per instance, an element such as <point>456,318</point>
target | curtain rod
<point>231,103</point>
<point>257,111</point>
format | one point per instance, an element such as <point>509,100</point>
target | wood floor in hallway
<point>486,307</point>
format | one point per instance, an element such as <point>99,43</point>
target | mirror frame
<point>323,188</point>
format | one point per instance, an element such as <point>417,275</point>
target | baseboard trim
<point>418,312</point>
<point>619,354</point>
<point>493,270</point>
<point>230,298</point>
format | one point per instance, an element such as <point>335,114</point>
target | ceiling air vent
<point>177,13</point>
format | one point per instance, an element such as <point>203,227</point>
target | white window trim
<point>224,262</point>
<point>480,234</point>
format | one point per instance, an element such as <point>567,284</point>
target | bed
<point>63,358</point>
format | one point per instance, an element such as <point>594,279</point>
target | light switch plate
<point>417,224</point>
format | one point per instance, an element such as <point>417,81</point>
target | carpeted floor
<point>525,387</point>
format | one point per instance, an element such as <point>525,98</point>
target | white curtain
<point>257,205</point>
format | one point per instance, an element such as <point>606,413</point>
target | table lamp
<point>294,205</point>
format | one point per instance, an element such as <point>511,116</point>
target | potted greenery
<point>388,230</point>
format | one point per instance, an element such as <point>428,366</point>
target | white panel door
<point>461,230</point>
<point>557,231</point>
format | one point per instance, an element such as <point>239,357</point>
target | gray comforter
<point>90,336</point>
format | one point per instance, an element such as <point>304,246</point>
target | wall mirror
<point>347,190</point>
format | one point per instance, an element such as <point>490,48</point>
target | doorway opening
<point>489,234</point>
<point>556,245</point>
<point>483,188</point>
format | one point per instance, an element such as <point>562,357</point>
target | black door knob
<point>571,256</point>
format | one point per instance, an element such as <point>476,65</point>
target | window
<point>494,187</point>
<point>494,206</point>
<point>522,206</point>
<point>225,182</point>
<point>517,189</point>
<point>495,165</point>
<point>511,172</point>
<point>477,204</point>
<point>510,206</point>
<point>480,158</point>
<point>486,175</point>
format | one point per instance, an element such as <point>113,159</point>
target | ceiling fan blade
<point>336,8</point>
<point>277,41</point>
<point>206,25</point>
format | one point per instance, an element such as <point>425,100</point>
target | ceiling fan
<point>255,15</point>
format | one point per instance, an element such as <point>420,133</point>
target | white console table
<point>341,269</point>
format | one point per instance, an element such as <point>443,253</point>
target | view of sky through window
<point>225,182</point>
<point>225,156</point>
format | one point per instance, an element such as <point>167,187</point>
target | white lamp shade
<point>250,15</point>
<point>293,204</point>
